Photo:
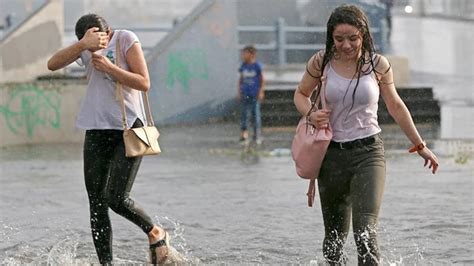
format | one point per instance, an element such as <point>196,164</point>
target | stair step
<point>279,109</point>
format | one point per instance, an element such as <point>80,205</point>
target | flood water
<point>221,207</point>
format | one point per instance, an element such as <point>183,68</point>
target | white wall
<point>25,51</point>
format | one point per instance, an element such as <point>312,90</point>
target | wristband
<point>418,147</point>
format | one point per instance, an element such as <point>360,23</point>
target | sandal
<point>154,246</point>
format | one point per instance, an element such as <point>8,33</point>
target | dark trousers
<point>109,177</point>
<point>351,182</point>
<point>252,105</point>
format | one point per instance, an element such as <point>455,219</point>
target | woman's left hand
<point>101,63</point>
<point>430,159</point>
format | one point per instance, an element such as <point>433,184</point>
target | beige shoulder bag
<point>142,140</point>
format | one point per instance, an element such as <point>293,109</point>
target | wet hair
<point>250,49</point>
<point>354,16</point>
<point>89,21</point>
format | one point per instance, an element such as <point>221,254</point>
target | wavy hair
<point>354,16</point>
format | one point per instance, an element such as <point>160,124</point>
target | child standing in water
<point>250,93</point>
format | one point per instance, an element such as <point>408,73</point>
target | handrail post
<point>281,41</point>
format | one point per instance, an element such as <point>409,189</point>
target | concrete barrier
<point>193,70</point>
<point>40,112</point>
<point>401,70</point>
<point>25,50</point>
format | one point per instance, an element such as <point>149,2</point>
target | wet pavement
<point>226,206</point>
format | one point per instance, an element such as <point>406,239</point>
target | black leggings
<point>109,177</point>
<point>352,181</point>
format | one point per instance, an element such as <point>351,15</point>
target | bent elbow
<point>145,86</point>
<point>295,95</point>
<point>146,83</point>
<point>51,66</point>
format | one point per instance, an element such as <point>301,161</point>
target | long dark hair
<point>89,21</point>
<point>354,16</point>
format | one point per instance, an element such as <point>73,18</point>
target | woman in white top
<point>109,175</point>
<point>352,176</point>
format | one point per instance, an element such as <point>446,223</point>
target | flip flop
<point>154,246</point>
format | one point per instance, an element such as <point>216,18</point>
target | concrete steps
<point>278,108</point>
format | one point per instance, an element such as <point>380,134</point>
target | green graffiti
<point>29,107</point>
<point>186,65</point>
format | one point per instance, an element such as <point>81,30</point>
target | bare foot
<point>159,243</point>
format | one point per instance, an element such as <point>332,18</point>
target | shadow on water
<point>250,153</point>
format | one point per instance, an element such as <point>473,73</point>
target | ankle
<point>156,233</point>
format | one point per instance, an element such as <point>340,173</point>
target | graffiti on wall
<point>185,66</point>
<point>29,107</point>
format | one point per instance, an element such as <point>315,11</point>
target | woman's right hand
<point>95,40</point>
<point>320,118</point>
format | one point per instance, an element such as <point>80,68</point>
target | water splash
<point>179,252</point>
<point>63,252</point>
<point>395,257</point>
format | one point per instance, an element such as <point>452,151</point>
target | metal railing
<point>157,29</point>
<point>280,42</point>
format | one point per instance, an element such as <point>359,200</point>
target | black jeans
<point>351,181</point>
<point>109,177</point>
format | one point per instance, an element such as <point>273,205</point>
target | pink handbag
<point>310,144</point>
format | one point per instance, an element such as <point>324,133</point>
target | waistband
<point>354,143</point>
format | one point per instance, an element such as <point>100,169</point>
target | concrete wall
<point>401,70</point>
<point>25,51</point>
<point>40,112</point>
<point>193,69</point>
<point>457,120</point>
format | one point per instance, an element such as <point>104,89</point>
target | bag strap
<point>118,91</point>
<point>322,94</point>
<point>311,192</point>
<point>320,99</point>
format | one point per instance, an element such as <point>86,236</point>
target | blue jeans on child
<point>252,105</point>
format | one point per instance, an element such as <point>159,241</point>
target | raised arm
<point>400,113</point>
<point>92,40</point>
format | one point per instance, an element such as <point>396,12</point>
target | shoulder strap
<point>321,98</point>
<point>311,192</point>
<point>118,89</point>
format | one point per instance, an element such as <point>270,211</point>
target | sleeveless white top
<point>356,122</point>
<point>100,108</point>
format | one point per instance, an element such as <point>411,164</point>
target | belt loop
<point>341,146</point>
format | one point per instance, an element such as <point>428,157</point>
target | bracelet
<point>418,147</point>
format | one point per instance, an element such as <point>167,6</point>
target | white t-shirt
<point>100,108</point>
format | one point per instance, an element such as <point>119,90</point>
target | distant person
<point>250,94</point>
<point>9,21</point>
<point>388,17</point>
<point>109,175</point>
<point>352,176</point>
